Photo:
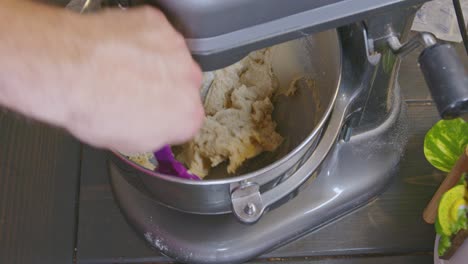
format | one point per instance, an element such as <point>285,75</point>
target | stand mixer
<point>349,158</point>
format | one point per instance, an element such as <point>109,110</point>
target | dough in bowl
<point>238,123</point>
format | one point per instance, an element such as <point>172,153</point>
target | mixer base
<point>352,174</point>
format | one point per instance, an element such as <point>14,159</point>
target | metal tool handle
<point>446,78</point>
<point>84,6</point>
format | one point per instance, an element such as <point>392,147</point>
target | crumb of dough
<point>143,160</point>
<point>294,85</point>
<point>238,125</point>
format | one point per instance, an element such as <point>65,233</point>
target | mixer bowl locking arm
<point>443,71</point>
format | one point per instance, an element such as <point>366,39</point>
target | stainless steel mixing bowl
<point>300,120</point>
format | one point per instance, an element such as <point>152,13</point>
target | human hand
<point>122,80</point>
<point>140,87</point>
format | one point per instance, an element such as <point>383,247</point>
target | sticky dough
<point>238,123</point>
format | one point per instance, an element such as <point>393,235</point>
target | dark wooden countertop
<point>56,205</point>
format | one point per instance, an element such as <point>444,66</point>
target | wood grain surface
<point>103,234</point>
<point>420,259</point>
<point>39,169</point>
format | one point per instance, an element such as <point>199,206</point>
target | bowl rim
<point>271,166</point>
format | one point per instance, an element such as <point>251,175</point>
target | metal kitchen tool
<point>350,150</point>
<point>84,6</point>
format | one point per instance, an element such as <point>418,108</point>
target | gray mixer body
<point>365,154</point>
<point>220,33</point>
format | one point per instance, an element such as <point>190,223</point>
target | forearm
<point>33,52</point>
<point>119,80</point>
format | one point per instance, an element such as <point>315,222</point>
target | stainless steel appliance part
<point>270,176</point>
<point>361,163</point>
<point>348,157</point>
<point>250,194</point>
<point>219,33</point>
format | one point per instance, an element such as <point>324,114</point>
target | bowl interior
<point>317,59</point>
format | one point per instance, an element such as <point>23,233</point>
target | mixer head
<point>220,33</point>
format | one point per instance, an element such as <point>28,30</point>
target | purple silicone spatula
<point>167,164</point>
